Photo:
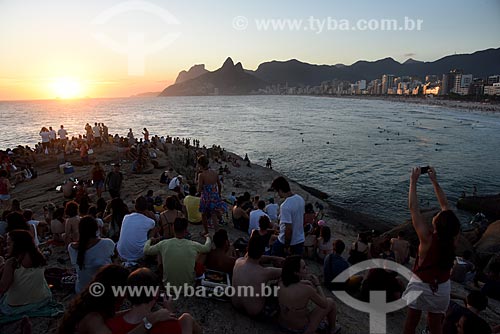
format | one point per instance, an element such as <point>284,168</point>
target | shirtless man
<point>220,258</point>
<point>248,271</point>
<point>401,248</point>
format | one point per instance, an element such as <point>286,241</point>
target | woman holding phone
<point>434,261</point>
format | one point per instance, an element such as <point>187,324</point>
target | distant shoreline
<point>440,102</point>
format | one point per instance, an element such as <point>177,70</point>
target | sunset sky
<point>52,48</point>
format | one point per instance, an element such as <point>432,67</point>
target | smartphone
<point>424,170</point>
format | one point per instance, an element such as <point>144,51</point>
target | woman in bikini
<point>167,217</point>
<point>434,261</point>
<point>211,203</point>
<point>297,288</point>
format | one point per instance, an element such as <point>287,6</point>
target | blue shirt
<point>334,264</point>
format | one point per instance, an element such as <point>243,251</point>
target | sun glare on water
<point>66,88</point>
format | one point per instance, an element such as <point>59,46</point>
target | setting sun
<point>66,88</point>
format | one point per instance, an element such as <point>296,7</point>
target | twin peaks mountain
<point>232,79</point>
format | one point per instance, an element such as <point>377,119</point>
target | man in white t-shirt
<point>255,216</point>
<point>176,184</point>
<point>52,134</point>
<point>291,237</point>
<point>97,134</point>
<point>62,133</point>
<point>134,233</point>
<point>272,210</point>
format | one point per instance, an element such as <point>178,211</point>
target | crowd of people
<point>149,245</point>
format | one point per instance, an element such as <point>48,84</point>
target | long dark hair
<point>447,227</point>
<point>291,267</point>
<point>85,303</point>
<point>326,234</point>
<point>87,229</point>
<point>23,243</point>
<point>119,210</point>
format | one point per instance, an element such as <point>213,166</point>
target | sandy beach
<point>214,316</point>
<point>490,107</point>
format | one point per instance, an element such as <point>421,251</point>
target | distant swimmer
<point>328,142</point>
<point>302,133</point>
<point>302,139</point>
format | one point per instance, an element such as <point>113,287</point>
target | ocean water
<point>358,151</point>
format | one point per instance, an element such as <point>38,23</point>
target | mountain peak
<point>228,63</point>
<point>238,67</point>
<point>411,61</point>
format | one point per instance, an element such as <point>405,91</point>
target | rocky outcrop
<point>489,244</point>
<point>230,79</point>
<point>194,72</point>
<point>489,205</point>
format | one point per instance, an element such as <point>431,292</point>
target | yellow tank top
<point>28,286</point>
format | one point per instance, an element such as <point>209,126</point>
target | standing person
<point>62,135</point>
<point>211,204</point>
<point>98,177</point>
<point>146,135</point>
<point>113,182</point>
<point>105,133</point>
<point>88,131</point>
<point>434,261</point>
<point>44,133</point>
<point>134,233</point>
<point>130,136</point>
<point>52,138</point>
<point>90,252</point>
<point>291,236</point>
<point>97,134</point>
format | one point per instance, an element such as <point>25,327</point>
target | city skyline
<point>51,47</point>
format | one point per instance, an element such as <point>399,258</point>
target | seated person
<point>23,272</point>
<point>387,253</point>
<point>34,225</point>
<point>334,263</point>
<point>141,308</point>
<point>472,324</point>
<point>255,216</point>
<point>90,253</point>
<point>248,271</point>
<point>463,268</point>
<point>57,225</point>
<point>220,258</point>
<point>240,216</point>
<point>297,289</point>
<point>87,314</point>
<point>324,244</point>
<point>382,280</point>
<point>475,303</point>
<point>491,287</point>
<point>134,233</point>
<point>401,248</point>
<point>168,217</point>
<point>360,250</point>
<point>192,206</point>
<point>267,232</point>
<point>178,254</point>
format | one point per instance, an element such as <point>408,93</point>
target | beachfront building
<point>462,84</point>
<point>492,90</point>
